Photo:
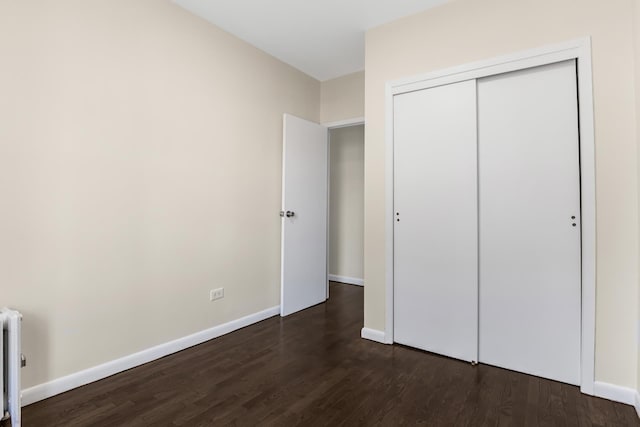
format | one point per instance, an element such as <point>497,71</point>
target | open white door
<point>304,215</point>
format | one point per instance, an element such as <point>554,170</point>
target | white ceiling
<point>323,38</point>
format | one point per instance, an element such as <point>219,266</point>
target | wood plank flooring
<point>313,368</point>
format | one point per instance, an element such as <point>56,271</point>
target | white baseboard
<point>615,392</point>
<point>637,404</point>
<point>60,385</point>
<point>373,335</point>
<point>347,280</point>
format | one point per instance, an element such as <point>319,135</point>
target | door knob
<point>290,214</point>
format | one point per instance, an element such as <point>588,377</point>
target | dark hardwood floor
<point>313,368</point>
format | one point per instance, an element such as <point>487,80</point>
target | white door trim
<point>344,123</point>
<point>580,50</point>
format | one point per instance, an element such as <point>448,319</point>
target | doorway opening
<point>305,207</point>
<point>345,248</point>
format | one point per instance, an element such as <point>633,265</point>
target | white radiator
<point>12,360</point>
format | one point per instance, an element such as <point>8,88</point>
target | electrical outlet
<point>215,294</point>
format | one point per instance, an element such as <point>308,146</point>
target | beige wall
<point>468,30</point>
<point>342,98</point>
<point>636,29</point>
<point>346,202</point>
<point>140,167</point>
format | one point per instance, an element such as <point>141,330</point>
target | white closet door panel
<point>529,190</point>
<point>435,239</point>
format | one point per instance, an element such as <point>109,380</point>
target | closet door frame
<point>580,50</point>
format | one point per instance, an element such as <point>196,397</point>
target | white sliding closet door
<point>529,219</point>
<point>435,236</point>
